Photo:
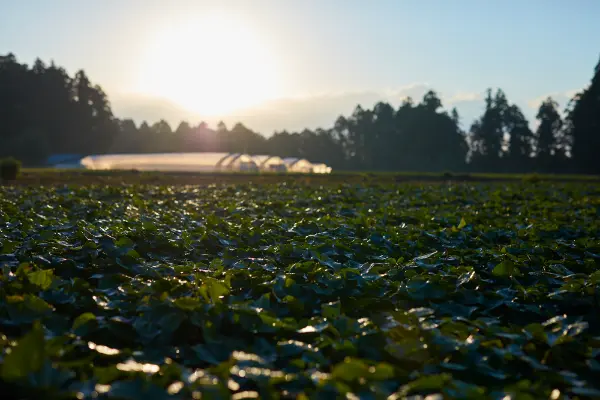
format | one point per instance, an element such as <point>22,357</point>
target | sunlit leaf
<point>26,357</point>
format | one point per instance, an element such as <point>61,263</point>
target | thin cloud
<point>463,97</point>
<point>562,98</point>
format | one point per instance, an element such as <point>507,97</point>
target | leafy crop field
<point>51,176</point>
<point>371,291</point>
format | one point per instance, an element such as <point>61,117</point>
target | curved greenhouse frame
<point>269,163</point>
<point>298,165</point>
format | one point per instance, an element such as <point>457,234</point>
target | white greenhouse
<point>298,165</point>
<point>201,162</point>
<point>269,163</point>
<point>321,169</point>
<point>180,162</point>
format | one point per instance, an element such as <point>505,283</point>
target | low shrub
<point>9,169</point>
<point>448,175</point>
<point>532,178</point>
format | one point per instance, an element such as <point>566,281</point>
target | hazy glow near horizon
<point>207,60</point>
<point>212,66</point>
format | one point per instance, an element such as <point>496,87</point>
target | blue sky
<point>327,54</point>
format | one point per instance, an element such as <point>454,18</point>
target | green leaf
<point>26,357</point>
<point>595,278</point>
<point>381,372</point>
<point>187,303</point>
<point>427,383</point>
<point>36,304</point>
<point>124,242</point>
<point>317,289</point>
<point>213,289</point>
<point>8,247</point>
<point>350,370</point>
<point>83,319</point>
<point>28,308</point>
<point>505,269</point>
<point>331,310</point>
<point>42,278</point>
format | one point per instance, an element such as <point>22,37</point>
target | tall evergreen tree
<point>244,140</point>
<point>432,139</point>
<point>519,152</point>
<point>583,122</point>
<point>43,110</point>
<point>359,126</point>
<point>127,139</point>
<point>385,135</point>
<point>487,133</point>
<point>547,134</point>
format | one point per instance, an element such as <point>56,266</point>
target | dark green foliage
<point>9,169</point>
<point>291,291</point>
<point>583,126</point>
<point>487,134</point>
<point>550,146</point>
<point>45,111</point>
<point>501,139</point>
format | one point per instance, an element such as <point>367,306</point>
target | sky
<point>294,64</point>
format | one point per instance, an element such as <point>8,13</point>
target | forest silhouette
<point>45,111</point>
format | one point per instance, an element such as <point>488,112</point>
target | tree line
<point>45,111</point>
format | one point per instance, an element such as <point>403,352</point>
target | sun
<point>211,66</point>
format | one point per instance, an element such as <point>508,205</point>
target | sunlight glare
<point>211,66</point>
